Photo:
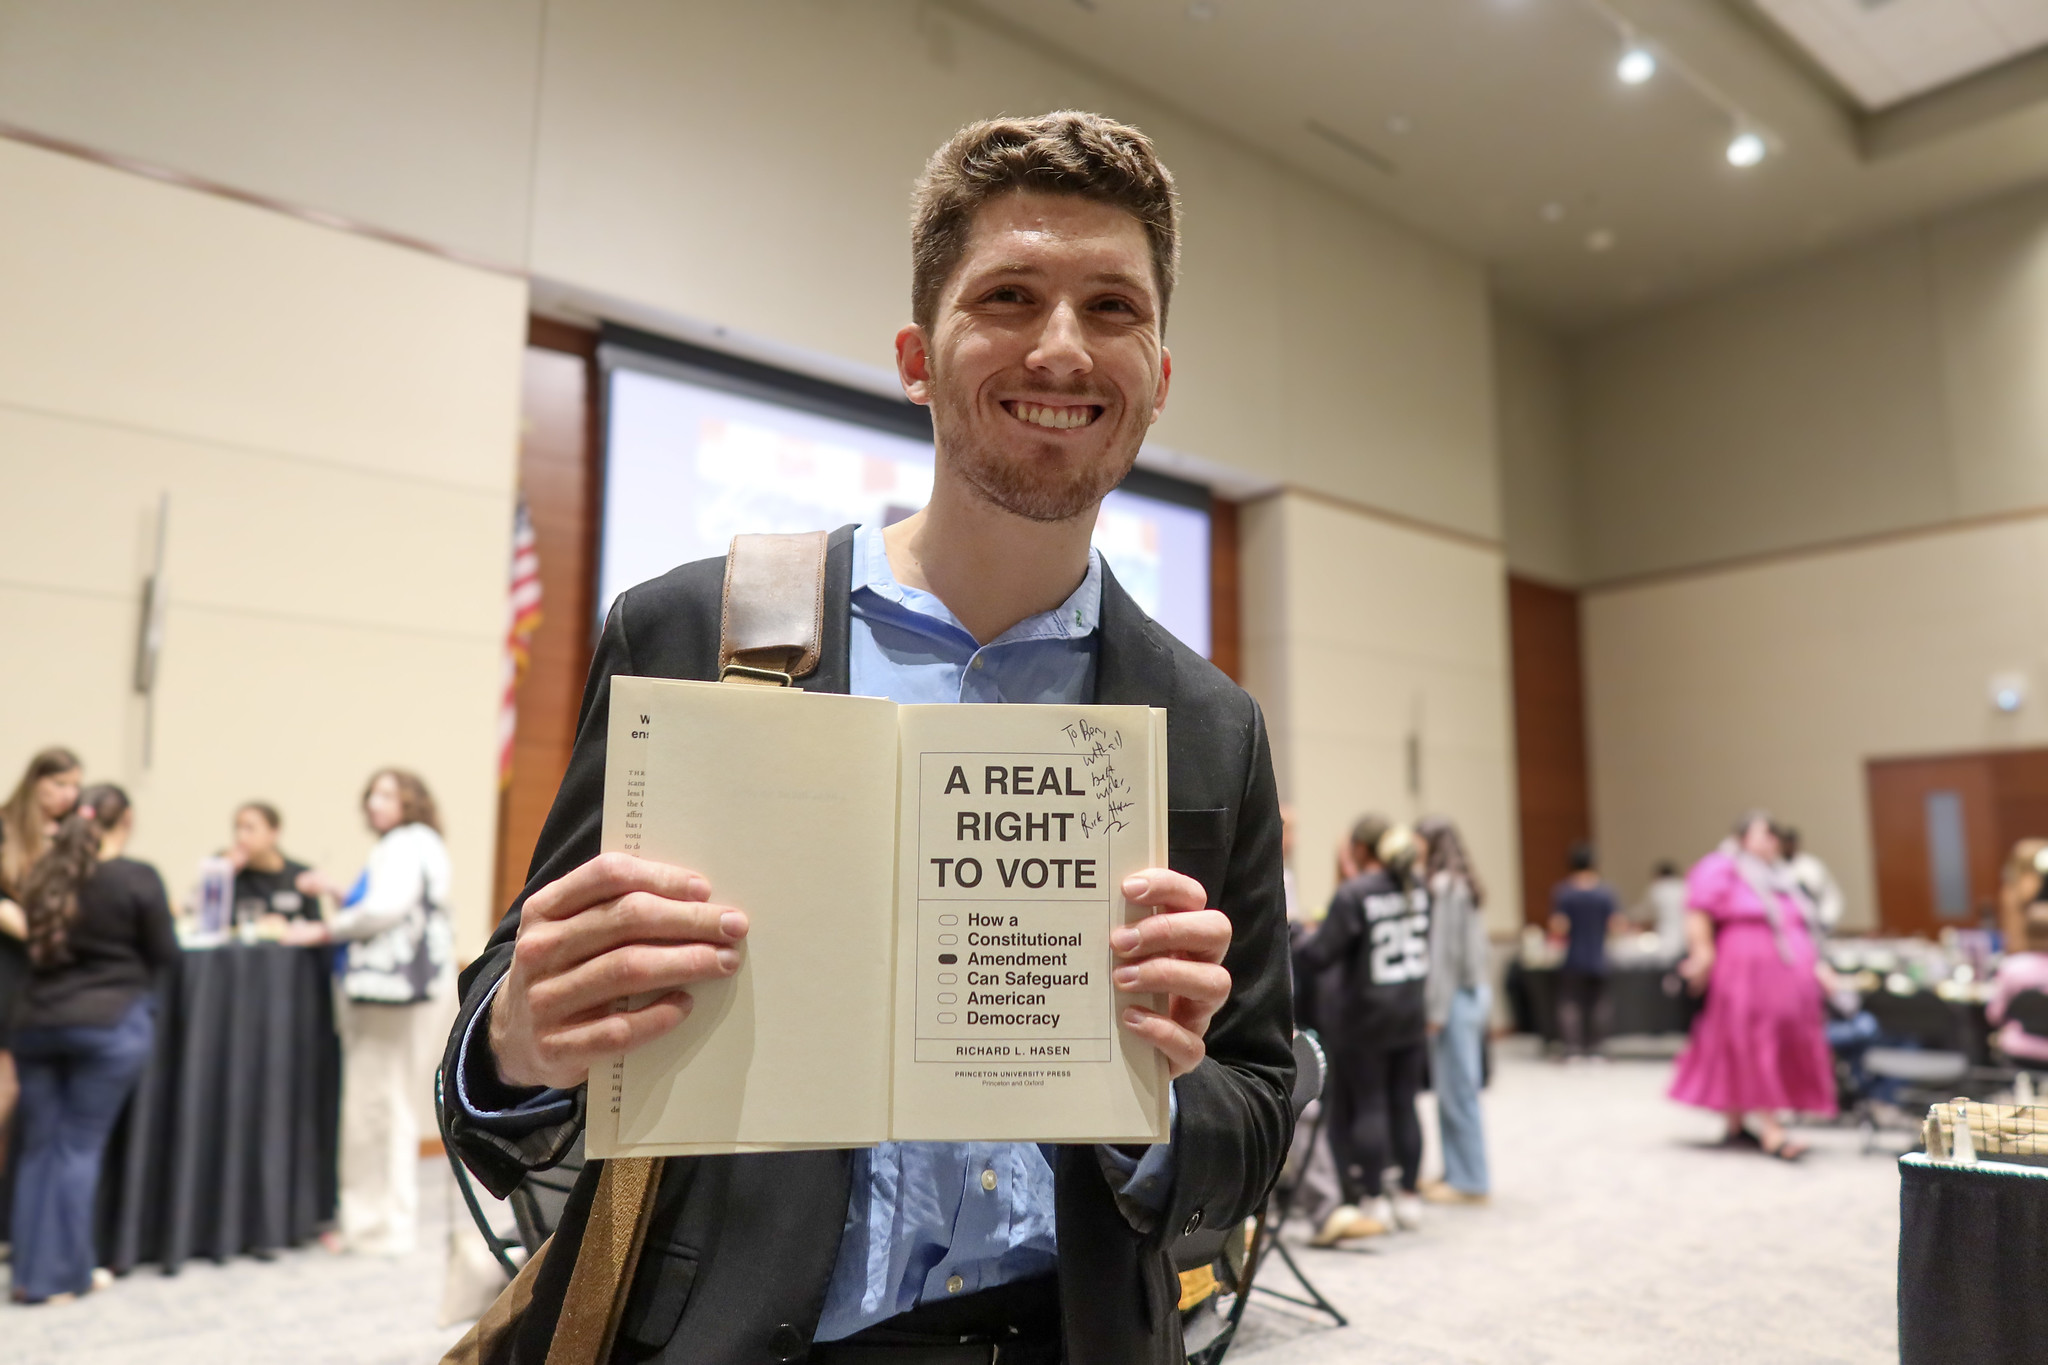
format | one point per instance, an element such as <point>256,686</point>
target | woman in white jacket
<point>400,955</point>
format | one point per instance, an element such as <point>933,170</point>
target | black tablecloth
<point>229,1144</point>
<point>1973,1264</point>
<point>1637,1001</point>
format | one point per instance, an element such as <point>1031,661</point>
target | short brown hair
<point>1066,152</point>
<point>415,802</point>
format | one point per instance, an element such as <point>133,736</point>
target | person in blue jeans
<point>1459,1003</point>
<point>99,931</point>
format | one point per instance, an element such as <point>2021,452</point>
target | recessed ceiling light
<point>1637,65</point>
<point>1600,241</point>
<point>1552,212</point>
<point>1746,149</point>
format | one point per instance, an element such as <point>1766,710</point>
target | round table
<point>228,1145</point>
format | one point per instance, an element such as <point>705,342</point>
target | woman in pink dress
<point>1758,1048</point>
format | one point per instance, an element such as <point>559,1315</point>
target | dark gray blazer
<point>740,1248</point>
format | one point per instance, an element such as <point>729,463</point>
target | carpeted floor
<point>1616,1235</point>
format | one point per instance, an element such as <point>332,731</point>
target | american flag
<point>522,618</point>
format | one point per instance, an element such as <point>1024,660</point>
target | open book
<point>930,891</point>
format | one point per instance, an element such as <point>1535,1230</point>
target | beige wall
<point>749,166</point>
<point>416,117</point>
<point>1894,384</point>
<point>1357,632</point>
<point>1541,526</point>
<point>334,421</point>
<point>1771,684</point>
<point>1881,391</point>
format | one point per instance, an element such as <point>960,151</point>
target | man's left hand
<point>1177,951</point>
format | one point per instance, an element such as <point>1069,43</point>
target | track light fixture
<point>1641,61</point>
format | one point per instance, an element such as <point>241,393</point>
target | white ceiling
<point>1501,127</point>
<point>1885,51</point>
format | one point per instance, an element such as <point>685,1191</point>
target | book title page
<point>1019,824</point>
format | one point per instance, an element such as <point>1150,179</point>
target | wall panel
<point>333,419</point>
<point>1358,633</point>
<point>1772,684</point>
<point>415,117</point>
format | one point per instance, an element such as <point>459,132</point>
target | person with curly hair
<point>46,793</point>
<point>394,920</point>
<point>99,931</point>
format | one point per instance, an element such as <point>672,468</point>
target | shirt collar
<point>1073,619</point>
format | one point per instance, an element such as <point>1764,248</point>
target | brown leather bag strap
<point>773,625</point>
<point>489,1339</point>
<point>605,1261</point>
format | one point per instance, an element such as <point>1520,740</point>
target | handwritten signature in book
<point>1115,814</point>
<point>1096,744</point>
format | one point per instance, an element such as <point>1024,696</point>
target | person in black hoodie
<point>1376,1027</point>
<point>99,931</point>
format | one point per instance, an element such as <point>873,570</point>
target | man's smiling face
<point>1044,366</point>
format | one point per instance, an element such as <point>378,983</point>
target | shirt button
<point>988,1180</point>
<point>954,1284</point>
<point>976,663</point>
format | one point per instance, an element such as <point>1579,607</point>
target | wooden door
<point>1936,839</point>
<point>1553,787</point>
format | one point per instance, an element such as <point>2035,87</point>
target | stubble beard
<point>1043,490</point>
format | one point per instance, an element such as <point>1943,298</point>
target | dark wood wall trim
<point>549,334</point>
<point>1552,780</point>
<point>559,475</point>
<point>1226,630</point>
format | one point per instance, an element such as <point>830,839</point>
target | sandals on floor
<point>1788,1149</point>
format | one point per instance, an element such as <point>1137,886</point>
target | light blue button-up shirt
<point>928,1220</point>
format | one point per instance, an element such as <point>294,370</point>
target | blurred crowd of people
<point>1396,983</point>
<point>85,935</point>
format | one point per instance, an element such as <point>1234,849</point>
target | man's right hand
<point>618,926</point>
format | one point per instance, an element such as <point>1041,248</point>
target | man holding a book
<point>1044,253</point>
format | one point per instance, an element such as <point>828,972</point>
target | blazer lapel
<point>1133,666</point>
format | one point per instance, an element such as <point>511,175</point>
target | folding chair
<point>1931,1067</point>
<point>1225,1262</point>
